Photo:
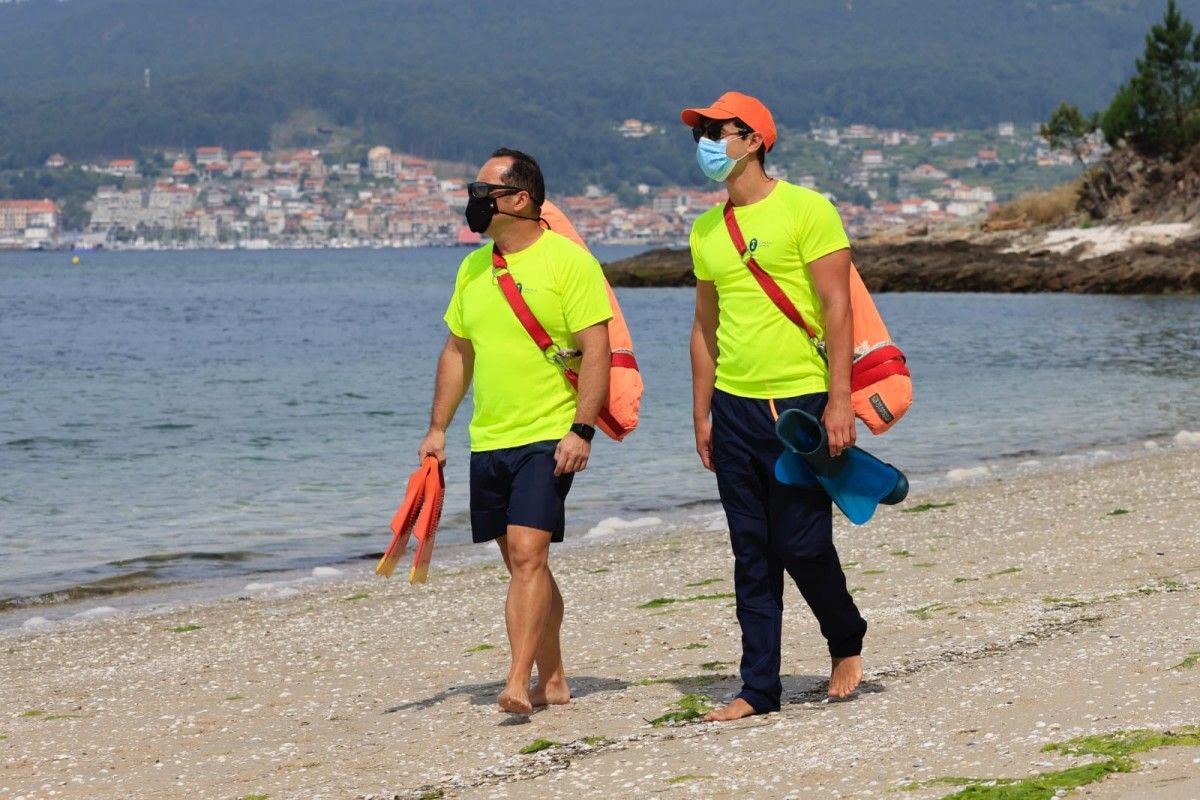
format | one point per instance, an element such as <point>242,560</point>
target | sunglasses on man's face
<point>481,189</point>
<point>712,130</point>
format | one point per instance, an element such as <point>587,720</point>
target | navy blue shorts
<point>517,486</point>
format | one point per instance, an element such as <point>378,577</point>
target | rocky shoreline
<point>1023,262</point>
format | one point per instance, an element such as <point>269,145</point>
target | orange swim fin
<point>404,519</point>
<point>427,523</point>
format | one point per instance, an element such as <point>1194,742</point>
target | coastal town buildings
<point>27,223</point>
<point>216,197</point>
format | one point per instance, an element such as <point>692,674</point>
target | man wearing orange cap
<point>749,364</point>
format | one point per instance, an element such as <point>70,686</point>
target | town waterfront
<point>193,415</point>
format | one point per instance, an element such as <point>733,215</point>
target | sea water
<point>182,416</point>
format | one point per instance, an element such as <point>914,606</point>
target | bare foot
<point>846,676</point>
<point>514,701</point>
<point>735,710</point>
<point>554,693</point>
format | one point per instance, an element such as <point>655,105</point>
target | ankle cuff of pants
<point>845,650</point>
<point>759,701</point>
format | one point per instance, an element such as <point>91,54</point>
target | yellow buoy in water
<point>75,261</point>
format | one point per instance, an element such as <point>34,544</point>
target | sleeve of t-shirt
<point>454,311</point>
<point>821,231</point>
<point>698,267</point>
<point>584,293</point>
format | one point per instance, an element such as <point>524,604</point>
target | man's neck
<point>517,235</point>
<point>749,184</point>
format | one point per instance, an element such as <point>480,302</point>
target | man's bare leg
<point>551,687</point>
<point>527,610</point>
<point>736,709</point>
<point>846,676</point>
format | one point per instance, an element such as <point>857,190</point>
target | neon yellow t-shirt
<point>761,353</point>
<point>520,395</point>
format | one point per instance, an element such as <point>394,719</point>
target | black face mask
<point>480,212</point>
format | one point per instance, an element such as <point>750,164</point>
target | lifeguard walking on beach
<point>750,363</point>
<point>530,430</point>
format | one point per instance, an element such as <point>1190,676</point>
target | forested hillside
<point>452,80</point>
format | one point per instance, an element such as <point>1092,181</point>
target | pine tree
<point>1158,110</point>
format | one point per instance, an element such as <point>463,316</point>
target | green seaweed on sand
<point>694,646</point>
<point>873,571</point>
<point>689,707</point>
<point>357,596</point>
<point>1115,751</point>
<point>598,571</point>
<point>924,564</point>
<point>1189,662</point>
<point>255,797</point>
<point>902,553</point>
<point>713,666</point>
<point>850,564</point>
<point>659,602</point>
<point>596,741</point>
<point>680,680</point>
<point>855,590</point>
<point>1006,571</point>
<point>927,612</point>
<point>1117,512</point>
<point>705,582</point>
<point>1065,602</point>
<point>53,717</point>
<point>433,794</point>
<point>538,745</point>
<point>2,737</point>
<point>961,579</point>
<point>33,712</point>
<point>925,507</point>
<point>479,648</point>
<point>186,628</point>
<point>688,777</point>
<point>233,697</point>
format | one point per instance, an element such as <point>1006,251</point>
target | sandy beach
<point>1005,616</point>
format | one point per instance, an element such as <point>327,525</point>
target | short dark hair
<point>524,173</point>
<point>761,152</point>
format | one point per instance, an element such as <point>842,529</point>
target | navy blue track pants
<point>775,528</point>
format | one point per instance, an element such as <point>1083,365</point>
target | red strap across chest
<point>513,295</point>
<point>768,284</point>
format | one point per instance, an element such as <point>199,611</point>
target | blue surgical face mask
<point>714,159</point>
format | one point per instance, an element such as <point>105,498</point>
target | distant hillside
<point>452,80</point>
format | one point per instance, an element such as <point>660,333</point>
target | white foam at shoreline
<point>1187,439</point>
<point>968,473</point>
<point>99,612</point>
<point>611,525</point>
<point>326,572</point>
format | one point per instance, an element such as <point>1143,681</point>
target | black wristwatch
<point>585,432</point>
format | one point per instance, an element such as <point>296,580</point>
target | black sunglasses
<point>481,189</point>
<point>712,130</point>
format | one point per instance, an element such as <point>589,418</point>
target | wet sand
<point>1016,613</point>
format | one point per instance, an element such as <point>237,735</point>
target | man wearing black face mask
<point>530,430</point>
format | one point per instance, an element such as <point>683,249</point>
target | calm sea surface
<point>177,416</point>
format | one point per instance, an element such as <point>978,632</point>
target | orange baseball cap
<point>735,104</point>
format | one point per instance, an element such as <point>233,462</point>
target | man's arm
<point>831,277</point>
<point>455,367</point>
<point>572,452</point>
<point>704,367</point>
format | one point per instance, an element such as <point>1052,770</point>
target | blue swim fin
<point>856,481</point>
